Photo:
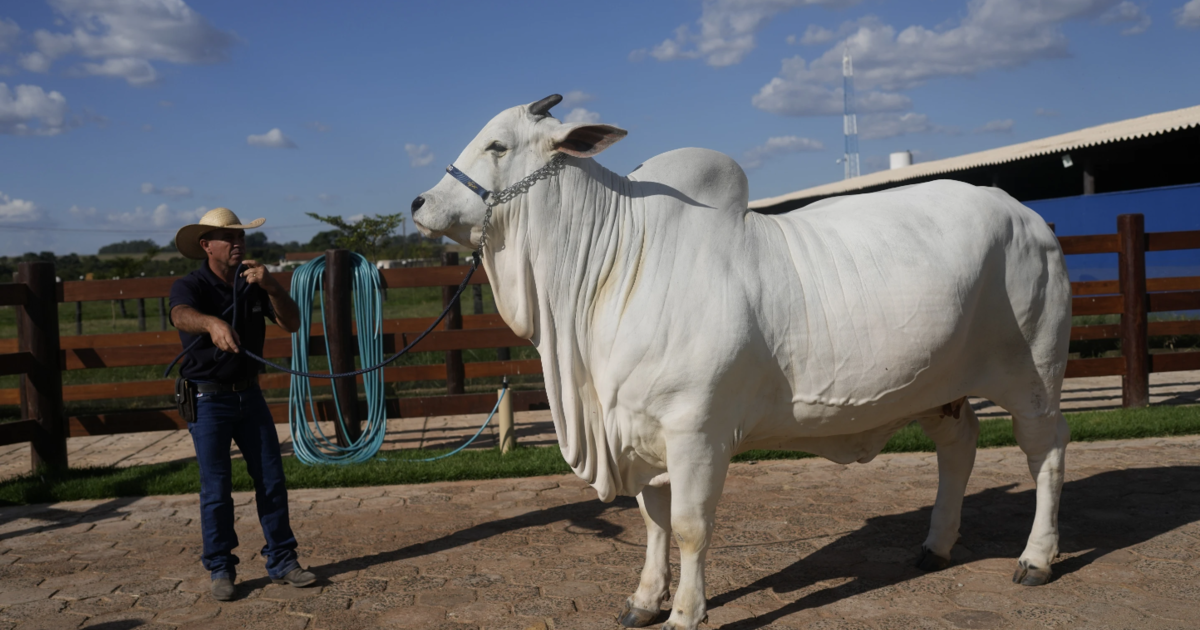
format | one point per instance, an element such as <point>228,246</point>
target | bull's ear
<point>585,140</point>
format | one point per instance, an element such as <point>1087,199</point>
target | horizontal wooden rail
<point>1110,287</point>
<point>13,294</point>
<point>1174,361</point>
<point>280,380</point>
<point>19,431</point>
<point>168,419</point>
<point>1182,327</point>
<point>1103,305</point>
<point>1168,241</point>
<point>15,363</point>
<point>1095,287</point>
<point>1156,329</point>
<point>1173,301</point>
<point>1106,366</point>
<point>1090,244</point>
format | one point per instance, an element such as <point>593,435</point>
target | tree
<point>364,236</point>
<point>126,267</point>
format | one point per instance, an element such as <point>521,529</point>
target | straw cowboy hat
<point>187,239</point>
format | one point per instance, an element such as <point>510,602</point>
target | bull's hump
<point>700,178</point>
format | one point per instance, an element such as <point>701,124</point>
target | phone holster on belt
<point>185,399</point>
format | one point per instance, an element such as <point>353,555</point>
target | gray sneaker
<point>297,577</point>
<point>222,589</point>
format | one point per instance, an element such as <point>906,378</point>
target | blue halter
<point>468,182</point>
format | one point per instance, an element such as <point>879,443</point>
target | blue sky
<point>123,119</point>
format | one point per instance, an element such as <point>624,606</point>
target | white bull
<point>677,329</point>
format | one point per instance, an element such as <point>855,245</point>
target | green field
<point>390,467</point>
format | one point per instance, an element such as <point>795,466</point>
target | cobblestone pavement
<point>534,428</point>
<point>798,544</point>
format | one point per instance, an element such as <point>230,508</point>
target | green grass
<point>1086,426</point>
<point>390,467</point>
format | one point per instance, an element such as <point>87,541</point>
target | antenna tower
<point>850,120</point>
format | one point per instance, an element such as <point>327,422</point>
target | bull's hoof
<point>670,625</point>
<point>633,617</point>
<point>1030,575</point>
<point>930,561</point>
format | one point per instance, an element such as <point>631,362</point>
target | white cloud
<point>35,62</point>
<point>581,115</point>
<point>418,154</point>
<point>779,145</point>
<point>135,71</point>
<point>22,106</point>
<point>993,34</point>
<point>804,90</point>
<point>126,35</point>
<point>1188,15</point>
<point>726,30</point>
<point>997,126</point>
<point>878,126</point>
<point>17,210</point>
<point>576,97</point>
<point>10,34</point>
<point>1045,113</point>
<point>356,218</point>
<point>273,139</point>
<point>169,191</point>
<point>1128,13</point>
<point>317,126</point>
<point>161,216</point>
<point>82,213</point>
<point>328,200</point>
<point>815,35</point>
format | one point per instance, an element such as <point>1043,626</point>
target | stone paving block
<point>23,595</point>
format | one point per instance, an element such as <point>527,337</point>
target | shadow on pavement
<point>586,515</point>
<point>1099,514</point>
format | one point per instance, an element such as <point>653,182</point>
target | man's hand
<point>223,336</point>
<point>256,273</point>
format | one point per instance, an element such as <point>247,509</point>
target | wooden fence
<point>40,354</point>
<point>1133,297</point>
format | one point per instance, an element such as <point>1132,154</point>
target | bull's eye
<point>497,148</point>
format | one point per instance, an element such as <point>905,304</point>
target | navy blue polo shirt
<point>208,294</point>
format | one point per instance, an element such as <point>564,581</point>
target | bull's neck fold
<point>555,248</point>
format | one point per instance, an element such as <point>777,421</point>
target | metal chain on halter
<point>556,164</point>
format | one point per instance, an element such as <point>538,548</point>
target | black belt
<point>213,388</point>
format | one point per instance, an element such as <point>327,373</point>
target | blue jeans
<point>244,418</point>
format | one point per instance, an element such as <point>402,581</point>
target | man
<point>228,402</point>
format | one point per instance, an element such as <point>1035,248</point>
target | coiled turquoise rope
<point>315,447</point>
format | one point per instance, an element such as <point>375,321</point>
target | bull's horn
<point>542,107</point>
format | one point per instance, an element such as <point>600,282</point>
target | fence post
<point>1135,386</point>
<point>41,387</point>
<point>162,313</point>
<point>141,314</point>
<point>455,373</point>
<point>340,333</point>
<point>79,318</point>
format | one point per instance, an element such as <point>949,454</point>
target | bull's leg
<point>697,478</point>
<point>1044,440</point>
<point>956,440</point>
<point>643,606</point>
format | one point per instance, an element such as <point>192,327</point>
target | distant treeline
<point>134,263</point>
